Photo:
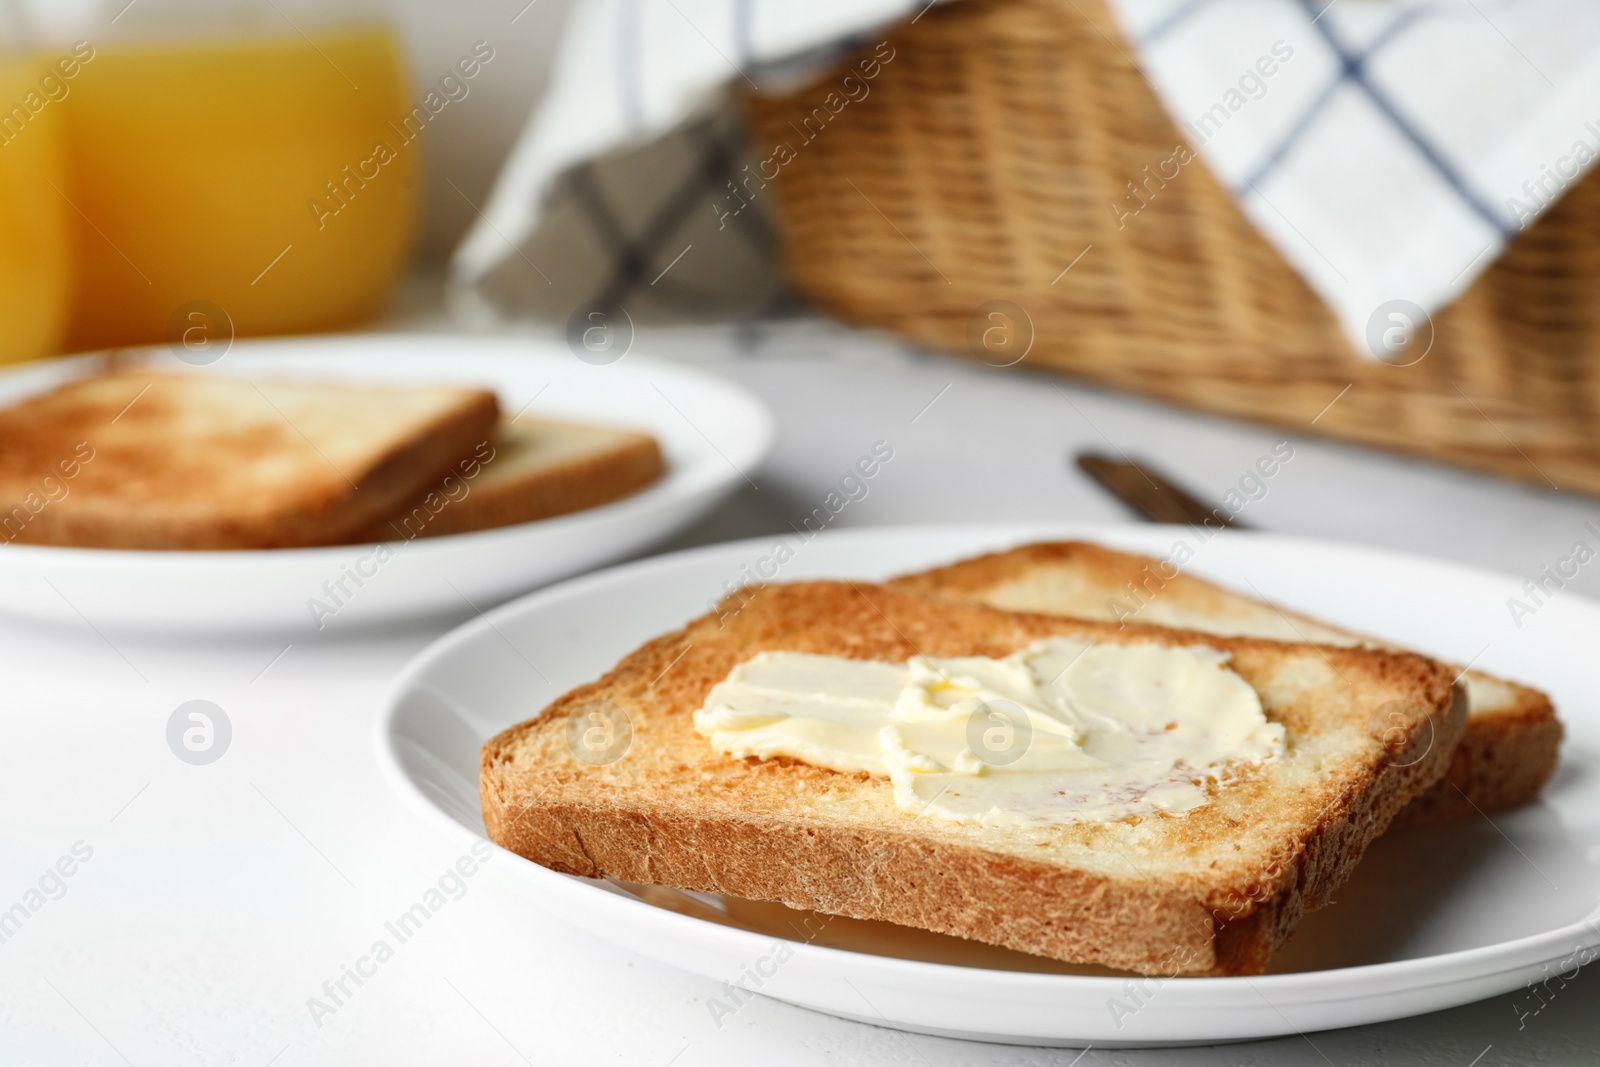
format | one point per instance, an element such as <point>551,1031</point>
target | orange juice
<point>34,229</point>
<point>272,178</point>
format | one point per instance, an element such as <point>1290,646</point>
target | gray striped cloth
<point>1389,149</point>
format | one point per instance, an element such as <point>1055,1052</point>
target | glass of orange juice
<point>240,173</point>
<point>35,232</point>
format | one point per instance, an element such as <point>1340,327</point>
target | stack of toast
<point>188,461</point>
<point>1373,735</point>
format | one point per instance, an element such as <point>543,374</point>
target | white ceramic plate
<point>713,435</point>
<point>1433,918</point>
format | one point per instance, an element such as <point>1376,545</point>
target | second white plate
<point>713,434</point>
<point>1432,918</point>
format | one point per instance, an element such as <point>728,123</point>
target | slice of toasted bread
<point>202,461</point>
<point>532,469</point>
<point>1213,891</point>
<point>1512,738</point>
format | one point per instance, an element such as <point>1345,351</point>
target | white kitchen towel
<point>631,74</point>
<point>1388,148</point>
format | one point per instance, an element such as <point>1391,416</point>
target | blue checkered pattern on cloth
<point>1389,149</point>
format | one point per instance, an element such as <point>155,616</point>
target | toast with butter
<point>1513,736</point>
<point>1165,871</point>
<point>204,461</point>
<point>532,468</point>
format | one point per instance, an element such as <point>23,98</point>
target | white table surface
<point>219,898</point>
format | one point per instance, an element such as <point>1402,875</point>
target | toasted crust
<point>532,469</point>
<point>1211,892</point>
<point>192,461</point>
<point>1513,737</point>
<point>1504,759</point>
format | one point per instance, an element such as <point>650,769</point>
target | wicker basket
<point>986,158</point>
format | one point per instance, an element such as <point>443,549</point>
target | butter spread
<point>1063,731</point>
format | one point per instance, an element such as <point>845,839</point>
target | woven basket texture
<point>997,146</point>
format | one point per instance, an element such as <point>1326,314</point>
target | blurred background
<point>159,153</point>
<point>1371,225</point>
